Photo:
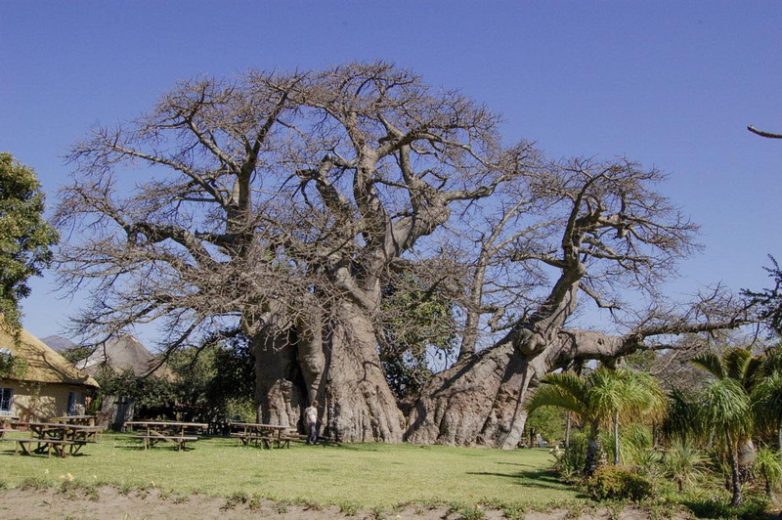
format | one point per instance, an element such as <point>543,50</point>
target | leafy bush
<point>769,468</point>
<point>617,483</point>
<point>753,508</point>
<point>682,463</point>
<point>636,443</point>
<point>648,463</point>
<point>571,461</point>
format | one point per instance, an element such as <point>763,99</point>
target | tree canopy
<point>25,236</point>
<point>329,213</point>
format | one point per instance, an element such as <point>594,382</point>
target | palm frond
<point>682,417</point>
<point>735,362</point>
<point>725,408</point>
<point>767,401</point>
<point>557,396</point>
<point>710,362</point>
<point>753,372</point>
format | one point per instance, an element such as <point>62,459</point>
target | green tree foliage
<point>548,422</point>
<point>25,236</point>
<point>726,414</point>
<point>769,468</point>
<point>737,372</point>
<point>153,397</point>
<point>767,405</point>
<point>679,423</point>
<point>210,384</point>
<point>215,382</point>
<point>682,463</point>
<point>417,328</point>
<point>735,363</point>
<point>601,398</point>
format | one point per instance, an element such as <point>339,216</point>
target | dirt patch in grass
<point>106,502</point>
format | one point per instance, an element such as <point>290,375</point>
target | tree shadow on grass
<point>752,509</point>
<point>539,478</point>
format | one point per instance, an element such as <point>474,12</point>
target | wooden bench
<point>180,440</point>
<point>258,439</point>
<point>45,446</point>
<point>292,436</point>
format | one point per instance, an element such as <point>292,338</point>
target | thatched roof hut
<point>41,382</point>
<point>38,363</point>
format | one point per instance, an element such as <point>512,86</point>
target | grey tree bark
<point>337,365</point>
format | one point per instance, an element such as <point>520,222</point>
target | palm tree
<point>767,404</point>
<point>603,397</point>
<point>682,463</point>
<point>769,467</point>
<point>735,363</point>
<point>678,424</point>
<point>739,365</point>
<point>726,413</point>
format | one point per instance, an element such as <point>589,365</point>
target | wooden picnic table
<point>260,434</point>
<point>179,433</point>
<point>86,420</point>
<point>54,436</point>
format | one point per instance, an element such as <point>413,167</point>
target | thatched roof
<point>58,343</point>
<point>40,363</point>
<point>124,353</point>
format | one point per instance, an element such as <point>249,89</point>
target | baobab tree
<point>288,204</point>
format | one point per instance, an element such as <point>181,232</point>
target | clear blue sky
<point>671,84</point>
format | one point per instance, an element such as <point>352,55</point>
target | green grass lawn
<point>366,475</point>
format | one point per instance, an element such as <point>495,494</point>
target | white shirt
<point>311,415</point>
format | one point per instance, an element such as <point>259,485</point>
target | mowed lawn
<point>367,475</point>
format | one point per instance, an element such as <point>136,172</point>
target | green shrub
<point>348,508</point>
<point>636,443</point>
<point>473,513</point>
<point>682,463</point>
<point>753,508</point>
<point>570,462</point>
<point>617,483</point>
<point>768,466</point>
<point>649,464</point>
<point>36,483</point>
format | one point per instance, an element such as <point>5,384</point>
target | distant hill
<point>58,343</point>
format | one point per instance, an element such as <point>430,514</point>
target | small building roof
<point>41,364</point>
<point>122,353</point>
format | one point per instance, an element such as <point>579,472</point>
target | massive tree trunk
<point>336,363</point>
<point>280,388</point>
<point>358,403</point>
<point>480,400</point>
<point>477,401</point>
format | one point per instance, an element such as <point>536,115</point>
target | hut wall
<point>41,401</point>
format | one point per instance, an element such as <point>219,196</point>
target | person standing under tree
<point>311,420</point>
